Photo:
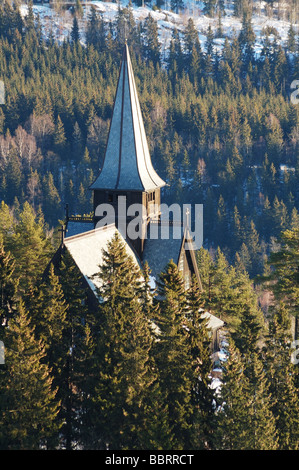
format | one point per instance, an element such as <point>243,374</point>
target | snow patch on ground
<point>60,24</point>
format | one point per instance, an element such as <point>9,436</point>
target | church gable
<point>128,171</point>
<point>87,252</point>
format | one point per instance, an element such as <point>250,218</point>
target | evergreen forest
<point>135,373</point>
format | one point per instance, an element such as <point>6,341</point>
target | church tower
<point>127,170</point>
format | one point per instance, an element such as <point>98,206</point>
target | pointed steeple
<point>127,163</point>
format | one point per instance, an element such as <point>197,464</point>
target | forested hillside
<point>221,128</point>
<point>223,132</point>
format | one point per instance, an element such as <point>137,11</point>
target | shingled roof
<point>127,163</point>
<point>87,248</point>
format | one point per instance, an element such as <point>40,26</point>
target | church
<point>128,180</point>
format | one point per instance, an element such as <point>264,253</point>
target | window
<point>151,196</point>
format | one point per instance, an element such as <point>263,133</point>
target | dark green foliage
<point>229,109</point>
<point>124,373</point>
<point>219,126</point>
<point>202,395</point>
<point>285,261</point>
<point>232,425</point>
<point>176,358</point>
<point>173,355</point>
<point>281,373</point>
<point>75,34</point>
<point>8,287</point>
<point>28,403</point>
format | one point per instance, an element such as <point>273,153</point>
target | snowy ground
<point>60,25</point>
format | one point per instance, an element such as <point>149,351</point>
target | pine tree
<point>209,7</point>
<point>75,35</point>
<point>59,136</point>
<point>124,373</point>
<point>254,249</point>
<point>280,69</point>
<point>219,284</point>
<point>8,287</point>
<point>175,55</point>
<point>274,139</point>
<point>177,5</point>
<point>192,49</point>
<point>48,314</point>
<point>232,416</point>
<point>95,30</point>
<point>152,45</point>
<point>173,355</point>
<point>77,143</point>
<point>51,199</point>
<point>209,45</point>
<point>221,234</point>
<point>291,39</point>
<point>75,379</point>
<point>30,21</point>
<point>262,434</point>
<point>30,246</point>
<point>203,398</point>
<point>57,307</point>
<point>281,375</point>
<point>29,408</point>
<point>285,263</point>
<point>13,177</point>
<point>247,40</point>
<point>249,331</point>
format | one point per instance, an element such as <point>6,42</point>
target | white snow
<point>60,24</point>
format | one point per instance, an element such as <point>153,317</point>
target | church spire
<point>127,163</point>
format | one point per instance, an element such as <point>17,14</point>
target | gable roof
<point>166,242</point>
<point>86,250</point>
<point>159,249</point>
<point>127,163</point>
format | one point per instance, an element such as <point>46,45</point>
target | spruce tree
<point>192,49</point>
<point>51,200</point>
<point>152,46</point>
<point>59,136</point>
<point>247,40</point>
<point>49,316</point>
<point>232,415</point>
<point>172,353</point>
<point>29,407</point>
<point>8,287</point>
<point>30,246</point>
<point>203,398</point>
<point>93,28</point>
<point>124,368</point>
<point>281,374</point>
<point>249,330</point>
<point>75,34</point>
<point>262,433</point>
<point>76,362</point>
<point>285,262</point>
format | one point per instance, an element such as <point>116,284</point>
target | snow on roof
<point>213,322</point>
<point>86,250</point>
